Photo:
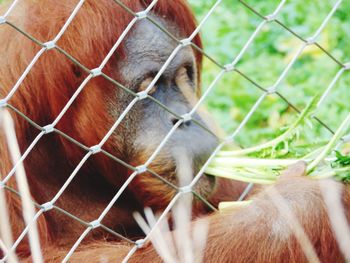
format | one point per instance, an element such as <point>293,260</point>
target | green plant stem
<point>330,173</point>
<point>277,140</point>
<point>338,134</point>
<point>313,153</point>
<point>251,162</point>
<point>239,177</point>
<point>260,171</point>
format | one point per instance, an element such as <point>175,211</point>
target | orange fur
<point>247,235</point>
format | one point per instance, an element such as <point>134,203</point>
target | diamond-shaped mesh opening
<point>256,76</point>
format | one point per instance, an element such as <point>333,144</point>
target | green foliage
<point>226,32</point>
<point>263,163</point>
<point>342,160</point>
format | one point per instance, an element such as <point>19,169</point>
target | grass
<point>229,28</point>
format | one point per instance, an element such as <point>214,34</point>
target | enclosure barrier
<point>137,171</point>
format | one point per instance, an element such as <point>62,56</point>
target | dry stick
<point>6,240</point>
<point>200,236</point>
<point>163,249</point>
<point>332,197</point>
<point>3,247</point>
<point>182,239</point>
<point>165,242</point>
<point>182,210</point>
<point>5,228</point>
<point>21,179</point>
<point>182,218</point>
<point>294,225</point>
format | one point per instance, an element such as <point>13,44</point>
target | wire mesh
<point>95,72</point>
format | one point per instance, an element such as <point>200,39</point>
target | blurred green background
<point>229,28</point>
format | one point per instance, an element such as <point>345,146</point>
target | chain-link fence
<point>32,215</point>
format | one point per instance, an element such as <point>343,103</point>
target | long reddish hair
<point>54,77</point>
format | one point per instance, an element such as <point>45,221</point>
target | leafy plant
<point>262,164</point>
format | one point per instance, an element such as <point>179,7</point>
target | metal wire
<point>137,171</point>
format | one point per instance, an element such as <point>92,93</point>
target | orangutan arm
<point>267,231</point>
<point>264,231</point>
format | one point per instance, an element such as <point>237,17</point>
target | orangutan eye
<point>190,72</point>
<point>184,75</point>
<point>144,85</point>
<point>183,79</point>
